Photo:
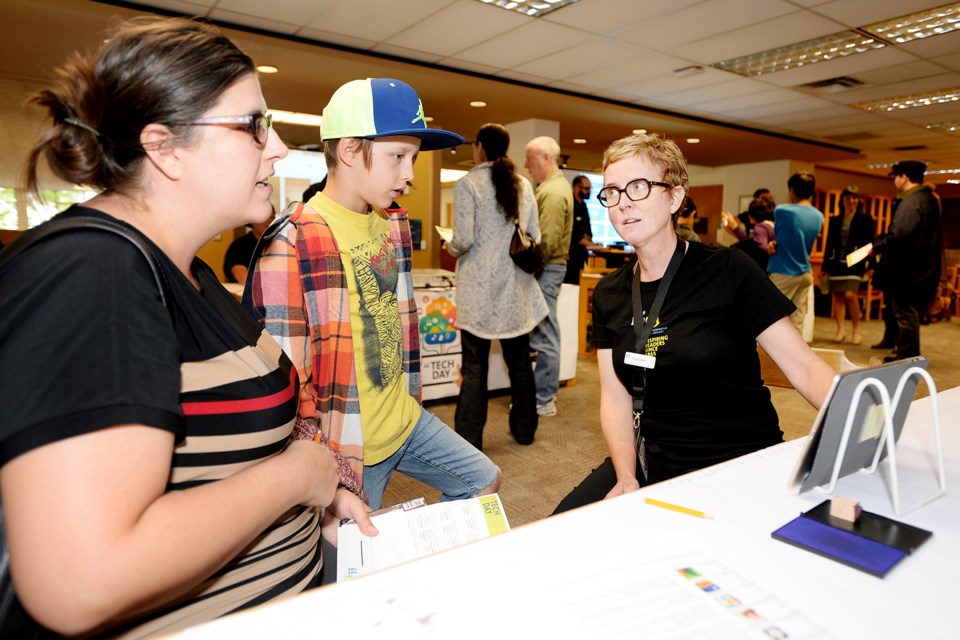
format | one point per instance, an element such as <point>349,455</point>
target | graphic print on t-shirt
<point>376,270</point>
<point>657,338</point>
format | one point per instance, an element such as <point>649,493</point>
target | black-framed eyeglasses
<point>636,190</point>
<point>256,124</point>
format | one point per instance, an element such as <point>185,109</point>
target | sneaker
<point>546,410</point>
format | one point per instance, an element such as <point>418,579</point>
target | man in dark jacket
<point>911,253</point>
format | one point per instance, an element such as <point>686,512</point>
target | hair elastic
<point>77,123</point>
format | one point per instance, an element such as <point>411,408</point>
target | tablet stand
<point>887,438</point>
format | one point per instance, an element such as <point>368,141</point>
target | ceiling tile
<point>702,21</point>
<point>743,101</point>
<point>531,41</point>
<point>617,74</point>
<point>667,83</point>
<point>285,11</point>
<point>459,26</point>
<point>336,38</point>
<point>253,21</point>
<point>787,109</point>
<point>369,19</point>
<point>951,62</point>
<point>860,13</point>
<point>900,73</point>
<point>917,85</point>
<point>403,52</point>
<point>581,58</point>
<point>934,46</point>
<point>849,66</point>
<point>466,65</point>
<point>610,16</point>
<point>193,8</point>
<point>795,27</point>
<point>710,94</point>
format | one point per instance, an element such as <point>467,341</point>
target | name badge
<point>639,360</point>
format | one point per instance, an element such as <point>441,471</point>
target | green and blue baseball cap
<point>378,107</point>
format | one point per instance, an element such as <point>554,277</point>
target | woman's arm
<point>616,422</point>
<point>94,538</point>
<point>809,375</point>
<point>464,219</point>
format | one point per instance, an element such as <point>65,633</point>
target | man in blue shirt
<point>796,226</point>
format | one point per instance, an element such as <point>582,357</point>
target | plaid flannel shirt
<point>297,288</point>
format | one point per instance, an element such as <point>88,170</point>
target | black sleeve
<point>85,343</point>
<point>759,300</point>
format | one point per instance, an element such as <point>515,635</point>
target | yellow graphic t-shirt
<point>387,410</point>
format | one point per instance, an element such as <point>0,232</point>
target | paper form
<point>859,255</point>
<point>408,534</point>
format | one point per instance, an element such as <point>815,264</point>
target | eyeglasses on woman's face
<point>636,190</point>
<point>256,124</point>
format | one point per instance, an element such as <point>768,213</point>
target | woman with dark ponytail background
<point>495,298</point>
<point>148,477</point>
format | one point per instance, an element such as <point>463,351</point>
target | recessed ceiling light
<point>639,131</point>
<point>293,117</point>
<point>267,68</point>
<point>896,103</point>
<point>428,118</point>
<point>533,8</point>
<point>479,104</point>
<point>693,140</point>
<point>579,141</point>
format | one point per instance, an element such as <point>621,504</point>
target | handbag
<point>525,251</point>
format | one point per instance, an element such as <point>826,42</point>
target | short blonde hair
<point>332,159</point>
<point>661,151</point>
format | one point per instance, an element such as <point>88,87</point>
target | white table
<point>609,570</point>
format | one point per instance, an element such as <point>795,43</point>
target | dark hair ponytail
<point>149,70</point>
<point>495,140</point>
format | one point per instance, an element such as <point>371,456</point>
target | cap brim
<point>430,139</point>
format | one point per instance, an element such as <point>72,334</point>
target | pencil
<point>674,507</point>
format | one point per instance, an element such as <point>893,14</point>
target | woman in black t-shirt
<point>148,478</point>
<point>692,396</point>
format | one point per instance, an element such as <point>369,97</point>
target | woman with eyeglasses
<point>148,477</point>
<point>691,394</point>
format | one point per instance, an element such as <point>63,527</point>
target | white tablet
<point>815,465</point>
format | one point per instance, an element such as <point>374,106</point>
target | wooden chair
<point>589,277</point>
<point>773,377</point>
<point>869,295</point>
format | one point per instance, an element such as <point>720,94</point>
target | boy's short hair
<point>803,184</point>
<point>379,107</point>
<point>332,159</point>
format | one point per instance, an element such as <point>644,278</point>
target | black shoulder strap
<point>75,223</point>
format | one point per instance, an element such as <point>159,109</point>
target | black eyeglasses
<point>636,190</point>
<point>256,124</point>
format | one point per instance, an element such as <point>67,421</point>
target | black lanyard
<point>643,326</point>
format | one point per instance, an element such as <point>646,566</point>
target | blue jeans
<point>545,339</point>
<point>434,455</point>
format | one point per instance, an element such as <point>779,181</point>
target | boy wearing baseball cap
<point>333,285</point>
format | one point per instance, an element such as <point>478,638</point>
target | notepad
<point>445,233</point>
<point>859,255</point>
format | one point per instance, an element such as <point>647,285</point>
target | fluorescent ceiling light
<point>943,172</point>
<point>923,24</point>
<point>943,96</point>
<point>533,8</point>
<point>838,45</point>
<point>451,175</point>
<point>267,68</point>
<point>293,117</point>
<point>944,126</point>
